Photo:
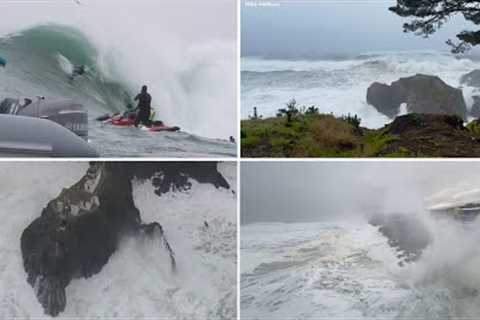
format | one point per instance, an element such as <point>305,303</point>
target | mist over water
<point>309,191</point>
<point>332,259</point>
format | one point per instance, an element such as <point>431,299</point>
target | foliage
<point>290,111</point>
<point>430,15</point>
<point>376,142</point>
<point>255,115</point>
<point>250,141</point>
<point>311,110</point>
<point>353,121</point>
<point>474,127</point>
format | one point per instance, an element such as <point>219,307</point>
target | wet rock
<point>384,99</point>
<point>79,230</point>
<point>421,93</point>
<point>405,233</point>
<point>475,110</point>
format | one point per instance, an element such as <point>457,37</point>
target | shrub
<point>250,141</point>
<point>255,115</point>
<point>353,121</point>
<point>331,132</point>
<point>290,112</point>
<point>311,110</point>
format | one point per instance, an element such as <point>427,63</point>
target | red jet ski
<point>121,121</point>
<point>158,126</point>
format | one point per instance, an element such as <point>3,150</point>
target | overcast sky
<point>318,191</point>
<point>330,27</point>
<point>193,20</point>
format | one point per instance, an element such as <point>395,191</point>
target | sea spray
<point>339,86</point>
<point>204,256</point>
<point>184,51</point>
<point>42,56</point>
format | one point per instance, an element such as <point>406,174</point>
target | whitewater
<point>350,270</point>
<point>192,84</point>
<point>339,85</point>
<point>137,282</point>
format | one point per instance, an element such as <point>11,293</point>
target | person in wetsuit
<point>144,106</point>
<point>78,71</point>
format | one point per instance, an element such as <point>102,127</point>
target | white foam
<point>64,63</point>
<point>340,87</point>
<point>137,282</point>
<point>184,51</point>
<point>403,109</point>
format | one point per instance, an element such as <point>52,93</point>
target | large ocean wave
<point>195,90</point>
<point>340,86</point>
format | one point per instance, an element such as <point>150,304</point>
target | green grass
<point>376,142</point>
<point>317,135</point>
<point>474,127</point>
<point>308,135</point>
<point>250,141</point>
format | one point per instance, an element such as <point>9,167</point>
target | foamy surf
<point>323,270</point>
<point>138,281</point>
<point>339,86</point>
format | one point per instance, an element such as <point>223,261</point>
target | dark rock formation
<point>405,233</point>
<point>385,99</point>
<point>431,135</point>
<point>172,176</point>
<point>79,230</point>
<point>421,93</point>
<point>411,122</point>
<point>471,79</point>
<point>475,110</point>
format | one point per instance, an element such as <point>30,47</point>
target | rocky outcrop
<point>475,110</point>
<point>431,135</point>
<point>405,233</point>
<point>79,230</point>
<point>471,79</point>
<point>421,93</point>
<point>385,99</point>
<point>175,176</point>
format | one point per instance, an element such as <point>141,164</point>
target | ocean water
<point>194,95</point>
<point>350,270</point>
<point>137,282</point>
<point>339,85</point>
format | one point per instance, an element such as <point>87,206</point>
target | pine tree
<point>429,15</point>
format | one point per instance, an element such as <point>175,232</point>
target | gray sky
<point>192,20</point>
<point>318,191</point>
<point>329,27</point>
